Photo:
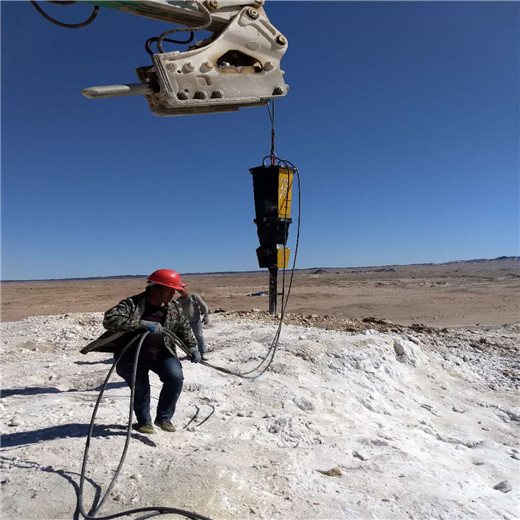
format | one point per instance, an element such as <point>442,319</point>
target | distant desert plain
<point>454,294</point>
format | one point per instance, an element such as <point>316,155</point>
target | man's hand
<point>206,319</point>
<point>151,326</point>
<point>195,355</point>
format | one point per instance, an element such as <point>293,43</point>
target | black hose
<point>149,42</point>
<point>88,21</point>
<point>268,359</point>
<point>151,511</point>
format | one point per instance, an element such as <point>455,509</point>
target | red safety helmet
<point>168,278</point>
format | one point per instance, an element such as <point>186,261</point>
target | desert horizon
<point>451,294</point>
<point>255,271</point>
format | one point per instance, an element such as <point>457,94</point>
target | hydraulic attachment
<point>272,187</point>
<point>237,66</point>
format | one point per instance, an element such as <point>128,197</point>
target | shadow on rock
<point>118,384</point>
<point>108,361</point>
<point>29,390</point>
<point>63,431</point>
<point>69,476</point>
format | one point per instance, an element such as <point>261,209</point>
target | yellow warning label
<point>282,261</point>
<point>285,179</point>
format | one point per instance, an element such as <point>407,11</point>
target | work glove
<point>206,319</point>
<point>195,355</point>
<point>151,326</point>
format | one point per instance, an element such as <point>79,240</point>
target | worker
<point>150,311</point>
<point>197,312</point>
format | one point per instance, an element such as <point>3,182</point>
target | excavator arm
<point>237,66</point>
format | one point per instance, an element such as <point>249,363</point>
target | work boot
<point>144,428</point>
<point>167,426</point>
<point>204,357</point>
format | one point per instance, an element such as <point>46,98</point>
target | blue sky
<point>402,118</point>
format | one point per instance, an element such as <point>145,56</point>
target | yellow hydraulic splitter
<point>272,186</point>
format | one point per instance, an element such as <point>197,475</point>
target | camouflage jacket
<point>126,316</point>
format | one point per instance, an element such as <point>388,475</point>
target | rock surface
<point>338,427</point>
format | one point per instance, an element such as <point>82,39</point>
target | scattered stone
<point>405,353</point>
<point>333,472</point>
<point>359,456</point>
<point>15,421</point>
<point>458,410</point>
<point>399,349</point>
<point>503,486</point>
<point>304,404</point>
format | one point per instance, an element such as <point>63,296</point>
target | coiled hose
<point>149,511</point>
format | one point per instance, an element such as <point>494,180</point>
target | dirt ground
<point>356,417</point>
<point>456,294</point>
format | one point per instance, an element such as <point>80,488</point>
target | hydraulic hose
<point>150,511</point>
<point>254,373</point>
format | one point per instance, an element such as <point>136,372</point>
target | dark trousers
<point>170,373</point>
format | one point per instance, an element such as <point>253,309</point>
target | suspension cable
<point>271,112</point>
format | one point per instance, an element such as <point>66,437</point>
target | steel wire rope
<point>48,17</point>
<point>151,511</point>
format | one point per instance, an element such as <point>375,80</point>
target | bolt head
<point>269,65</point>
<point>189,66</point>
<point>200,94</point>
<point>253,13</point>
<point>183,95</point>
<point>217,94</point>
<point>278,91</point>
<point>171,66</point>
<point>282,40</point>
<point>207,65</point>
<point>212,4</point>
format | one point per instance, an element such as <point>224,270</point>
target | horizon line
<point>475,260</point>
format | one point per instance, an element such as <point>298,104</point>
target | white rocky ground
<point>344,426</point>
